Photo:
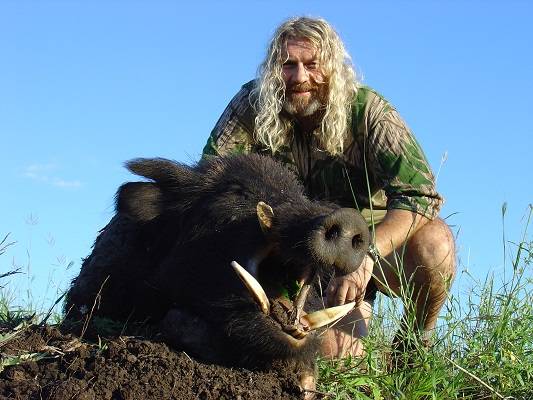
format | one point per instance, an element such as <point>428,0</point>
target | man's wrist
<point>373,253</point>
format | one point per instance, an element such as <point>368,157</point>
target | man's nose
<point>300,74</point>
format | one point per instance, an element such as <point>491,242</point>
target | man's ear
<point>141,201</point>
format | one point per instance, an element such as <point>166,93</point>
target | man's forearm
<point>396,228</point>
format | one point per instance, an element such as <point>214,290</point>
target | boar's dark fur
<point>165,257</point>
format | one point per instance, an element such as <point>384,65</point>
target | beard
<point>304,106</point>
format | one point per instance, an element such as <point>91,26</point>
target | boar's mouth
<point>291,317</point>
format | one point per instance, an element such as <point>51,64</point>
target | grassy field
<point>482,348</point>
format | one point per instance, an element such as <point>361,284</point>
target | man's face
<point>305,83</point>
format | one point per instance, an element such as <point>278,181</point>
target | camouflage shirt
<point>397,174</point>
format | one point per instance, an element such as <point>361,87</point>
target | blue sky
<point>85,86</point>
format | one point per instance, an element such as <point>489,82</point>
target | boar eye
<point>237,191</point>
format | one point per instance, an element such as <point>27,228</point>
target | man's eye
<point>312,66</point>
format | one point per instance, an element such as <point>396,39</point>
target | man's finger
<point>340,295</point>
<point>351,294</point>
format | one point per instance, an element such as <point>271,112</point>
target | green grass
<point>482,348</point>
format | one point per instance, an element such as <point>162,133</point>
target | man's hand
<point>351,287</point>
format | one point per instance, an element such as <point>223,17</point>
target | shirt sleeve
<point>400,166</point>
<point>233,133</point>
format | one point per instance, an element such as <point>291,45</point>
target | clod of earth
<point>128,368</point>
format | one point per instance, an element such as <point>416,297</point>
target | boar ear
<point>265,214</point>
<point>163,171</point>
<point>142,201</point>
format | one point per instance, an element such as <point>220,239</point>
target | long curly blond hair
<point>273,129</point>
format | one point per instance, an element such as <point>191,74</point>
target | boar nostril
<point>357,240</point>
<point>333,232</point>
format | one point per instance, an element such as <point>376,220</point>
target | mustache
<point>302,87</point>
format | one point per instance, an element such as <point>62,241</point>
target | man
<point>350,146</point>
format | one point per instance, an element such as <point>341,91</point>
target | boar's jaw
<point>302,324</point>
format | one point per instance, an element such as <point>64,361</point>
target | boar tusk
<point>253,287</point>
<point>265,215</point>
<point>323,317</point>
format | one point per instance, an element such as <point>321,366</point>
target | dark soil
<point>126,368</point>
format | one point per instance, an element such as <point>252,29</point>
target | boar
<point>222,256</point>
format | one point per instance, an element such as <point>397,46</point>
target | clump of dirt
<point>60,366</point>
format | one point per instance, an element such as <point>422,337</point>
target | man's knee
<point>433,247</point>
<point>432,258</point>
<point>427,261</point>
<point>344,338</point>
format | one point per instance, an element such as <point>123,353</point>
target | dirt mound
<point>59,366</point>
